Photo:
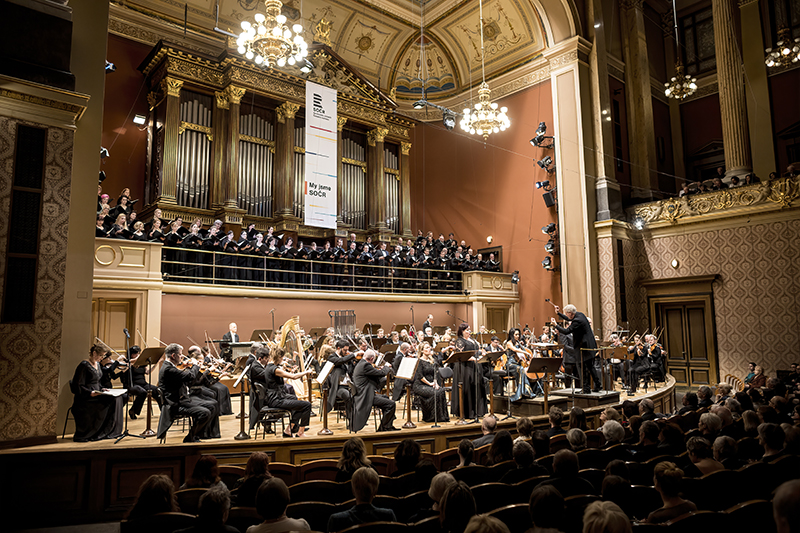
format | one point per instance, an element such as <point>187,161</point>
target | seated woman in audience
<point>667,481</point>
<point>577,439</point>
<point>745,401</point>
<point>702,457</point>
<point>271,503</point>
<point>501,449</point>
<point>791,442</point>
<point>767,414</point>
<point>94,412</point>
<point>439,484</point>
<point>613,432</point>
<point>156,495</point>
<point>609,413</point>
<point>406,457</point>
<point>353,457</point>
<point>546,507</point>
<point>670,440</point>
<point>618,467</point>
<point>771,437</point>
<point>524,429</point>
<point>255,473</point>
<point>735,408</point>
<point>205,474</point>
<point>456,508</point>
<point>577,419</point>
<point>605,517</point>
<point>796,415</point>
<point>525,466</point>
<point>725,452</point>
<point>634,425</point>
<point>723,393</point>
<point>759,379</point>
<point>466,453</point>
<point>484,523</point>
<point>751,421</point>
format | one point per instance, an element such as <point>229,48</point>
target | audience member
<point>647,448</point>
<point>526,467</point>
<point>485,524</point>
<point>204,475</point>
<point>670,440</point>
<point>501,448</point>
<point>786,507</point>
<point>466,452</point>
<point>365,486</point>
<point>353,457</point>
<point>524,429</point>
<point>605,517</point>
<point>577,419</point>
<point>555,416</point>
<point>256,471</point>
<point>723,393</point>
<point>613,432</point>
<point>647,409</point>
<point>577,439</point>
<point>702,457</point>
<point>709,426</point>
<point>667,480</point>
<point>634,424</point>
<point>751,421</point>
<point>771,437</point>
<point>406,457</point>
<point>618,490</point>
<point>725,449</point>
<point>439,484</point>
<point>705,397</point>
<point>744,399</point>
<point>629,409</point>
<point>565,475</point>
<point>212,512</point>
<point>456,508</point>
<point>488,427</point>
<point>271,503</point>
<point>156,495</point>
<point>689,403</point>
<point>541,443</point>
<point>768,414</point>
<point>609,413</point>
<point>759,379</point>
<point>618,467</point>
<point>546,507</point>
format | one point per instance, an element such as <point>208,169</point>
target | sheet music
<point>324,371</point>
<point>545,345</point>
<point>407,368</point>
<point>114,392</point>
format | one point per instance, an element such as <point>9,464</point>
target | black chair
<point>398,486</point>
<point>412,504</point>
<point>558,443</point>
<point>516,517</point>
<point>753,515</point>
<point>169,415</point>
<point>320,469</point>
<point>547,462</point>
<point>574,507</point>
<point>472,475</point>
<point>594,439</point>
<point>447,459</point>
<point>491,496</point>
<point>593,458</point>
<point>69,411</point>
<point>698,522</point>
<point>269,415</point>
<point>521,491</point>
<point>496,472</point>
<point>382,464</point>
<point>189,499</point>
<point>594,476</point>
<point>230,474</point>
<point>642,501</point>
<point>787,468</point>
<point>378,527</point>
<point>748,449</point>
<point>315,513</point>
<point>243,517</point>
<point>758,480</point>
<point>158,523</point>
<point>287,472</point>
<point>716,490</point>
<point>321,491</point>
<point>428,525</point>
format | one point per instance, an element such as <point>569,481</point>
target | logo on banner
<point>318,110</point>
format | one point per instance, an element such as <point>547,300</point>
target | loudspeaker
<point>549,199</point>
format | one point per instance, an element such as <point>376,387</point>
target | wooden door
<point>110,316</point>
<point>688,337</point>
<point>497,320</point>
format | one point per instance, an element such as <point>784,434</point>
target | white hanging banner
<point>319,190</point>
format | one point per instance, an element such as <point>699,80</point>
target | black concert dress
<point>94,415</point>
<point>467,373</point>
<point>428,396</point>
<point>278,398</point>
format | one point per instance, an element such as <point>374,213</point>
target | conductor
<point>583,338</point>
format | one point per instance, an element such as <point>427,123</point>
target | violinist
<point>656,356</point>
<point>518,361</point>
<point>500,369</point>
<point>368,380</point>
<point>175,383</point>
<point>208,383</point>
<point>93,411</point>
<point>341,359</point>
<point>639,365</point>
<point>399,388</point>
<point>140,386</point>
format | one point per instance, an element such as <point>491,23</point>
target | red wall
<point>476,189</point>
<point>183,315</point>
<point>125,93</point>
<point>785,111</point>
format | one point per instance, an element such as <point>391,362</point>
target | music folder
<point>491,357</point>
<point>546,365</point>
<point>324,371</point>
<point>408,366</point>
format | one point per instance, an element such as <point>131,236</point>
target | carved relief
<point>286,110</point>
<point>235,94</point>
<point>367,114</point>
<point>340,122</point>
<point>221,98</point>
<point>172,87</point>
<point>405,148</point>
<point>376,136</point>
<point>564,59</point>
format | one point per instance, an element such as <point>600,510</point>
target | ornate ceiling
<point>381,38</point>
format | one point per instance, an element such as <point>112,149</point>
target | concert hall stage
<point>97,481</point>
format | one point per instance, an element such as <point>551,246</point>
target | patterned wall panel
<point>757,295</point>
<point>609,279</point>
<point>29,353</point>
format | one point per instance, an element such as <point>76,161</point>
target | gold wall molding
<point>221,98</point>
<point>74,109</point>
<point>172,86</point>
<point>257,140</point>
<point>405,148</point>
<point>195,127</point>
<point>235,94</point>
<point>356,162</point>
<point>266,84</point>
<point>340,122</point>
<point>376,135</point>
<point>190,68</point>
<point>366,114</point>
<point>286,110</point>
<point>396,130</point>
<point>779,193</point>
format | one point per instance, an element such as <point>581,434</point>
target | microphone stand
<point>125,412</point>
<point>412,316</point>
<point>435,394</point>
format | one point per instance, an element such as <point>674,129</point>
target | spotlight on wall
<point>449,120</point>
<point>638,222</point>
<point>545,164</point>
<point>104,153</point>
<point>110,67</point>
<point>419,104</point>
<point>307,66</point>
<point>139,119</point>
<point>543,184</point>
<point>550,247</point>
<point>515,277</point>
<point>539,137</point>
<point>489,239</point>
<point>547,263</point>
<point>549,229</point>
<point>101,177</point>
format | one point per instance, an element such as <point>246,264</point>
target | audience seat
<point>490,496</point>
<point>230,474</point>
<point>480,454</point>
<point>594,439</point>
<point>413,504</point>
<point>594,476</point>
<point>698,522</point>
<point>593,458</point>
<point>315,513</point>
<point>523,489</point>
<point>472,475</point>
<point>643,500</point>
<point>243,517</point>
<point>748,449</point>
<point>318,469</point>
<point>757,481</point>
<point>787,468</point>
<point>753,515</point>
<point>516,517</point>
<point>715,491</point>
<point>574,507</point>
<point>447,459</point>
<point>286,472</point>
<point>398,486</point>
<point>499,470</point>
<point>383,465</point>
<point>547,462</point>
<point>428,525</point>
<point>378,527</point>
<point>158,523</point>
<point>558,442</point>
<point>188,499</point>
<point>321,490</point>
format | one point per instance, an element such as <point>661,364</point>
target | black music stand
<point>241,368</point>
<point>462,357</point>
<point>491,358</point>
<point>400,327</point>
<point>257,335</point>
<point>544,365</point>
<point>370,328</point>
<point>149,356</point>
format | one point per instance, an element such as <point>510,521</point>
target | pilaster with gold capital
<point>172,121</point>
<point>405,189</point>
<point>219,168</point>
<point>286,111</point>
<point>376,187</point>
<point>284,182</point>
<point>231,180</point>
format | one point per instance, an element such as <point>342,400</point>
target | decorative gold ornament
<point>269,41</point>
<point>786,51</point>
<point>681,85</point>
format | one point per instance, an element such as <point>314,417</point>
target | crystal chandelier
<point>681,85</point>
<point>787,51</point>
<point>484,119</point>
<point>269,41</point>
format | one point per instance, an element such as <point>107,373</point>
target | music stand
<point>149,356</point>
<point>461,357</point>
<point>544,365</point>
<point>484,338</point>
<point>241,368</point>
<point>370,328</point>
<point>378,343</point>
<point>257,333</point>
<point>317,332</point>
<point>400,327</point>
<point>491,358</point>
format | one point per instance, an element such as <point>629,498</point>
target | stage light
<point>638,223</point>
<point>104,153</point>
<point>550,247</point>
<point>549,229</point>
<point>547,264</point>
<point>110,67</point>
<point>540,136</point>
<point>419,104</point>
<point>543,184</point>
<point>449,120</point>
<point>541,129</point>
<point>545,164</point>
<point>139,119</point>
<point>515,277</point>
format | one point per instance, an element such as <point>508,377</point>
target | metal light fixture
<point>638,222</point>
<point>419,104</point>
<point>485,118</point>
<point>786,51</point>
<point>550,247</point>
<point>449,120</point>
<point>543,184</point>
<point>540,137</point>
<point>547,263</point>
<point>545,164</point>
<point>549,229</point>
<point>268,41</point>
<point>681,84</point>
<point>139,119</point>
<point>515,277</point>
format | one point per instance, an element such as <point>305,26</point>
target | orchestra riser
<point>528,407</point>
<point>98,481</point>
<point>587,401</point>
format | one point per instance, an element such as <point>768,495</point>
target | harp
<point>291,342</point>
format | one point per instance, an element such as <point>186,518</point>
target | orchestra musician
<point>399,387</point>
<point>94,412</point>
<point>140,386</point>
<point>277,395</point>
<point>655,353</point>
<point>257,361</point>
<point>230,337</point>
<point>368,380</point>
<point>639,365</point>
<point>341,359</point>
<point>500,370</point>
<point>466,373</point>
<point>428,323</point>
<point>210,383</point>
<point>175,383</point>
<point>583,337</point>
<point>518,362</point>
<point>570,359</point>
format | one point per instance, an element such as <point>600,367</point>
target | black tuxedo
<point>368,380</point>
<point>582,337</point>
<point>339,371</point>
<point>175,384</point>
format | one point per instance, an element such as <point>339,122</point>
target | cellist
<point>518,361</point>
